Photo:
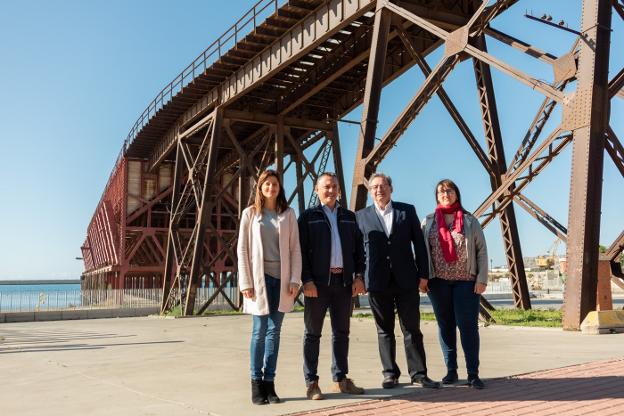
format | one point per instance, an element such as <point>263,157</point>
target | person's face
<point>270,188</point>
<point>380,191</point>
<point>328,190</point>
<point>446,195</point>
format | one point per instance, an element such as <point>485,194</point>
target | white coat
<point>251,260</point>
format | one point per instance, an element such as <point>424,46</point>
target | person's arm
<point>359,260</point>
<point>245,279</point>
<point>304,241</point>
<point>295,253</point>
<point>359,254</point>
<point>481,253</point>
<point>418,240</point>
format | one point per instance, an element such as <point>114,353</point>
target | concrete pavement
<point>199,366</point>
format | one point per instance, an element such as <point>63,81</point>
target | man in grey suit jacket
<point>396,268</point>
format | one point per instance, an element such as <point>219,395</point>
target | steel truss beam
<point>368,156</point>
<point>209,245</point>
<point>619,7</point>
<point>515,181</point>
<point>458,41</point>
<point>542,216</point>
<point>180,284</point>
<point>615,149</point>
<point>194,195</point>
<point>370,111</point>
<point>496,154</point>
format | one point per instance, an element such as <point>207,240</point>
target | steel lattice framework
<point>271,91</point>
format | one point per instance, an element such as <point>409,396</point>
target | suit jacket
<point>403,253</point>
<point>251,260</point>
<point>315,237</point>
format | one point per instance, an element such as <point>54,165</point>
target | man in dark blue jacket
<point>332,272</point>
<point>396,267</point>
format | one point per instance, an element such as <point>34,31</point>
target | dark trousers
<point>407,304</point>
<point>457,306</point>
<point>337,298</point>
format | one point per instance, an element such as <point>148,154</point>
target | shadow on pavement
<point>70,347</point>
<point>526,389</point>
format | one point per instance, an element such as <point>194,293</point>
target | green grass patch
<point>543,318</point>
<point>222,313</point>
<point>514,317</point>
<point>177,312</point>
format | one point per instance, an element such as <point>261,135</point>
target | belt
<point>336,270</point>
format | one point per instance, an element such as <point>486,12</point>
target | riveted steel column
<point>587,115</point>
<point>370,111</point>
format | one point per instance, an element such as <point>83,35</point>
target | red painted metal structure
<point>125,239</point>
<point>271,91</point>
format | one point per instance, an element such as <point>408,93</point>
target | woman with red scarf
<point>458,266</point>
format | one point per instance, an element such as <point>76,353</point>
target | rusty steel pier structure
<point>271,92</point>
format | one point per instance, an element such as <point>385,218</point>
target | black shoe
<point>475,382</point>
<point>450,377</point>
<point>258,394</point>
<point>426,382</point>
<point>269,389</point>
<point>390,382</point>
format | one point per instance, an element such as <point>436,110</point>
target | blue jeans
<point>457,306</point>
<point>265,336</point>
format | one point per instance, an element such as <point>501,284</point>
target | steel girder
<point>496,153</point>
<point>587,116</point>
<point>530,159</point>
<point>199,191</point>
<point>180,281</point>
<point>369,156</point>
<point>284,135</point>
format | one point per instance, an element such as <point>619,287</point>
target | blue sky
<point>75,76</point>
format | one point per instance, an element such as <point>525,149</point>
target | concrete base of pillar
<point>603,322</point>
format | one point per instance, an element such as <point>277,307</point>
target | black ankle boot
<point>269,388</point>
<point>451,377</point>
<point>475,382</point>
<point>258,393</point>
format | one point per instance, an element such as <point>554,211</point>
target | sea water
<point>31,297</point>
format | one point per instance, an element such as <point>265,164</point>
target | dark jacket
<point>315,238</point>
<point>395,253</point>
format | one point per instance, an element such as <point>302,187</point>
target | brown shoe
<point>346,386</point>
<point>314,391</point>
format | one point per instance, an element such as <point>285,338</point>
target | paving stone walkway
<point>595,388</point>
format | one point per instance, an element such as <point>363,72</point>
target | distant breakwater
<point>41,282</point>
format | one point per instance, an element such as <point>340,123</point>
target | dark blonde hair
<point>258,204</point>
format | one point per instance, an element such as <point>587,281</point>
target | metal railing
<point>63,300</point>
<point>249,22</point>
<point>219,302</point>
<point>60,300</point>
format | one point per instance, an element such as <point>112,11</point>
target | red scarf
<point>446,240</point>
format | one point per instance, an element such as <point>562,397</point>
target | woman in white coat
<point>269,277</point>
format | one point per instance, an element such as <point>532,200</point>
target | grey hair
<point>382,175</point>
<point>330,174</point>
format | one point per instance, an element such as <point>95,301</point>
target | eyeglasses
<point>446,191</point>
